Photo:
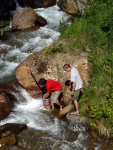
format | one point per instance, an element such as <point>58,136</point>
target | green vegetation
<point>93,32</point>
<point>4,25</point>
<point>53,49</point>
<point>63,26</point>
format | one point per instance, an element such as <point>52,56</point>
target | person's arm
<point>46,95</point>
<point>73,88</point>
<point>73,80</point>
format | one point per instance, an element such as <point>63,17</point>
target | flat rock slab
<point>11,128</point>
<point>77,123</point>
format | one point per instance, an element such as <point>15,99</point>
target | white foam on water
<point>53,15</point>
<point>80,143</point>
<point>42,38</point>
<point>16,55</point>
<point>98,147</point>
<point>4,46</point>
<point>30,112</point>
<point>7,69</point>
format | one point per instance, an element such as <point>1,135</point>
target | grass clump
<point>4,25</point>
<point>53,49</point>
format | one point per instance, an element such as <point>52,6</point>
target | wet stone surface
<point>31,139</point>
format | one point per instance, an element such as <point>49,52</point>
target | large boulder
<point>5,107</point>
<point>73,7</point>
<point>51,67</point>
<point>8,133</point>
<point>11,128</point>
<point>23,74</point>
<point>36,3</point>
<point>26,18</point>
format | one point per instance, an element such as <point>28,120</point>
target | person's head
<point>67,67</point>
<point>67,82</point>
<point>42,81</point>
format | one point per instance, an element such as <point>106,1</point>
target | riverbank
<point>48,63</point>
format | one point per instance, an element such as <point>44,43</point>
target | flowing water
<point>31,112</point>
<point>14,48</point>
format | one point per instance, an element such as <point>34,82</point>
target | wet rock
<point>65,110</point>
<point>3,52</point>
<point>8,134</point>
<point>34,140</point>
<point>8,140</point>
<point>6,91</point>
<point>74,118</point>
<point>5,107</point>
<point>10,128</point>
<point>36,3</point>
<point>23,74</point>
<point>73,7</point>
<point>68,6</point>
<point>77,123</point>
<point>6,147</point>
<point>26,18</point>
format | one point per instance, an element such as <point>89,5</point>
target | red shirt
<point>52,85</point>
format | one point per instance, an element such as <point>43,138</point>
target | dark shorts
<point>76,95</point>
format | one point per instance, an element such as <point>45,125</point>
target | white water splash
<point>30,111</point>
<point>53,15</point>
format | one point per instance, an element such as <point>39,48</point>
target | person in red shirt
<point>54,88</point>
